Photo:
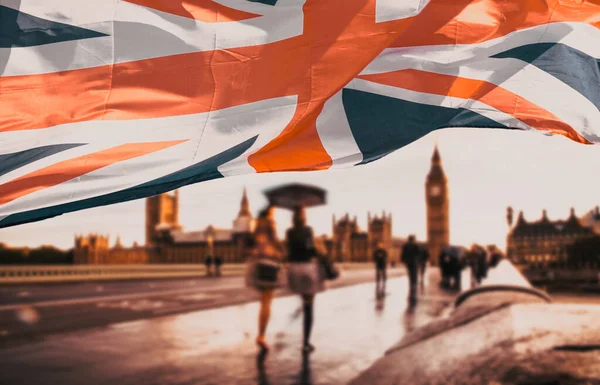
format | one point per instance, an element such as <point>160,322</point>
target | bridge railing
<point>73,273</point>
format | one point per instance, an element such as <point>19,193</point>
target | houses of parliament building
<point>167,242</point>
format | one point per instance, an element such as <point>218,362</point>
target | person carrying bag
<point>330,271</point>
<point>264,269</point>
<point>306,271</point>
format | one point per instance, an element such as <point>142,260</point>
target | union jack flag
<point>104,101</point>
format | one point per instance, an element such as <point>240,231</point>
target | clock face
<point>435,191</point>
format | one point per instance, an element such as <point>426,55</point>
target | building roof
<point>592,219</point>
<point>546,227</point>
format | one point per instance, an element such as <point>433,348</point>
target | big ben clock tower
<point>436,195</point>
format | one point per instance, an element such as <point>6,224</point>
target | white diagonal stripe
<point>580,36</point>
<point>138,33</point>
<point>336,135</point>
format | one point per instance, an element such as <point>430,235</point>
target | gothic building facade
<point>167,242</point>
<point>91,249</point>
<point>545,243</point>
<point>350,244</point>
<point>438,208</point>
<point>173,245</point>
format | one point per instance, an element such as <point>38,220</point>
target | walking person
<point>380,258</point>
<point>483,262</point>
<point>495,256</point>
<point>208,261</point>
<point>218,264</point>
<point>264,269</point>
<point>410,257</point>
<point>304,274</point>
<point>480,263</point>
<point>444,262</point>
<point>476,262</point>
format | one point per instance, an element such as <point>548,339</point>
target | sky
<point>487,170</point>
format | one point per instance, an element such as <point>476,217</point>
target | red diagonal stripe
<point>76,167</point>
<point>485,92</point>
<point>207,11</point>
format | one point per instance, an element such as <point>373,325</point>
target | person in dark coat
<point>495,256</point>
<point>473,260</point>
<point>450,266</point>
<point>444,259</point>
<point>478,261</point>
<point>304,277</point>
<point>411,254</point>
<point>380,257</point>
<point>483,263</point>
<point>208,261</point>
<point>218,264</point>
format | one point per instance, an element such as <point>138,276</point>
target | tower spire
<point>244,205</point>
<point>436,158</point>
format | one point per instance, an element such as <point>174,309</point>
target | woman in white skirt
<point>304,275</point>
<point>263,269</point>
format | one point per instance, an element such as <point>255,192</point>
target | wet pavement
<point>352,330</point>
<point>32,311</point>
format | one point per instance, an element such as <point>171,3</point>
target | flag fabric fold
<point>105,101</point>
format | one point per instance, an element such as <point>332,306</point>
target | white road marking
<point>79,301</point>
<point>199,297</point>
<point>140,305</point>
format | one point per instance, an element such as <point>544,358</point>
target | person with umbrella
<point>304,271</point>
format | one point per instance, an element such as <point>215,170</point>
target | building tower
<point>436,195</point>
<point>161,211</point>
<point>342,245</point>
<point>92,249</point>
<point>379,230</point>
<point>244,221</point>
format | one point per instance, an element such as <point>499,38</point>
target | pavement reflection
<point>352,329</point>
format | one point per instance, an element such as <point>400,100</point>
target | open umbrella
<point>295,195</point>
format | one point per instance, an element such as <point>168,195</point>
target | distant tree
<point>11,256</point>
<point>45,255</point>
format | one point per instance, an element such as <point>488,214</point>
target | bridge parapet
<point>15,274</point>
